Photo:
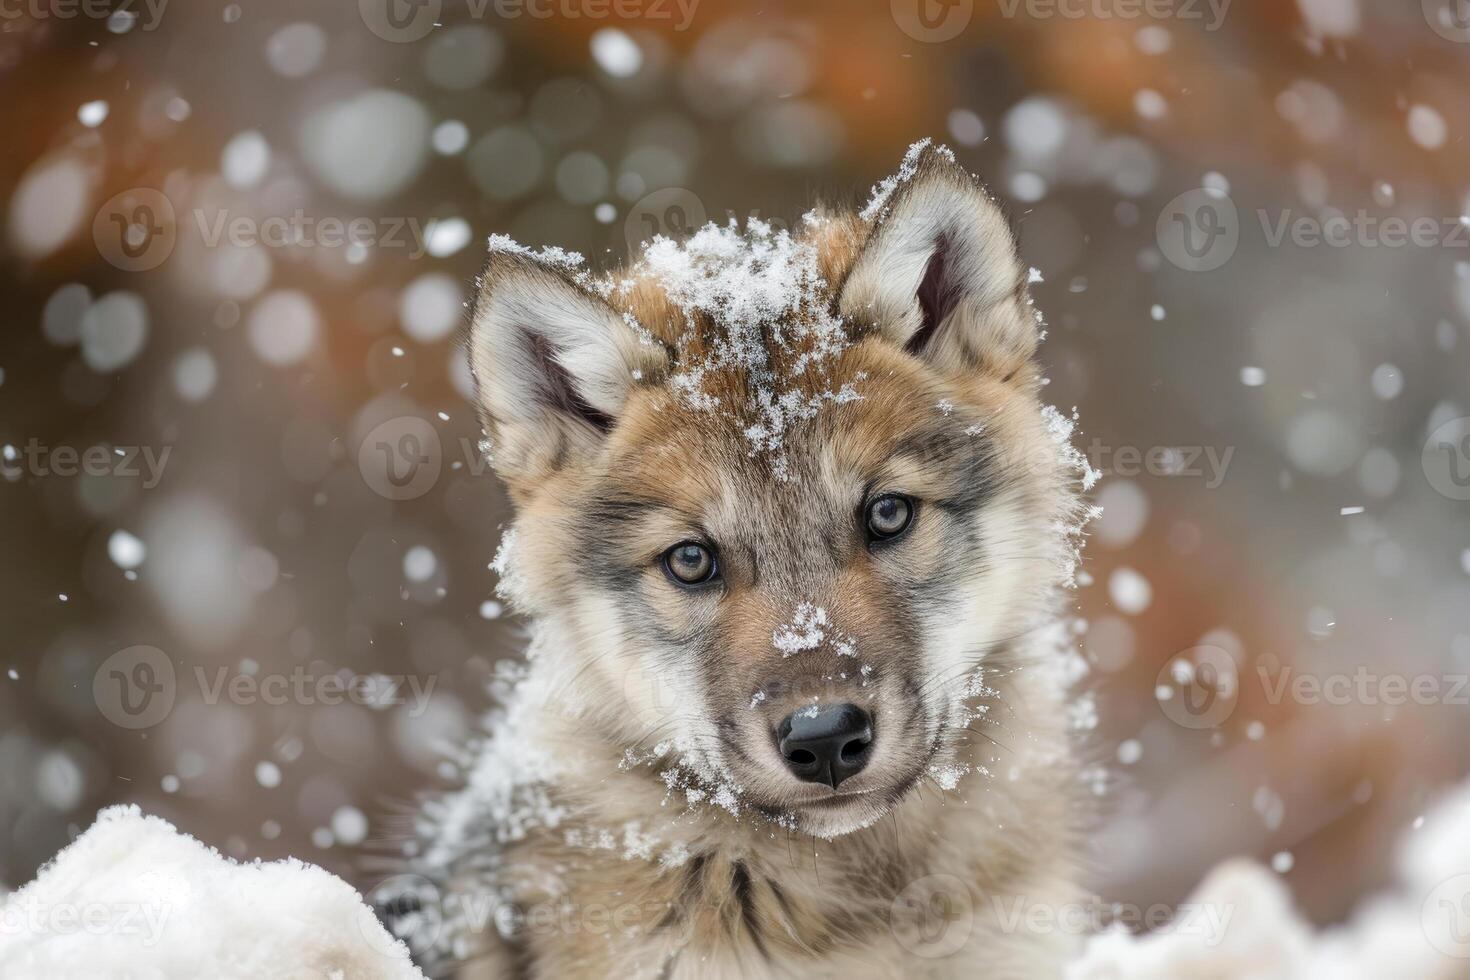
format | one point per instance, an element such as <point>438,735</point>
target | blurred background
<point>237,240</point>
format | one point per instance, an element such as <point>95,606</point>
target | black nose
<point>826,743</point>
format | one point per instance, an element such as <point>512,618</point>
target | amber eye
<point>690,563</point>
<point>889,516</point>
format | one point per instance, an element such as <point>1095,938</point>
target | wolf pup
<point>793,531</point>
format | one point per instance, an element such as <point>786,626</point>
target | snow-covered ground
<point>134,897</point>
<point>1417,930</point>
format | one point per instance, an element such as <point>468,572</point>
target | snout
<point>826,743</point>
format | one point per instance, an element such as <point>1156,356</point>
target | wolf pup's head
<point>782,499</point>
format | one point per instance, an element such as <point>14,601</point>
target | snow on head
<point>752,298</point>
<point>736,279</point>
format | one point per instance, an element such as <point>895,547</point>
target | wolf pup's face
<point>783,500</point>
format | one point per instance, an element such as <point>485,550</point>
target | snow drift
<point>1417,930</point>
<point>132,897</point>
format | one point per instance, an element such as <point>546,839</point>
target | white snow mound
<point>134,898</point>
<point>1245,926</point>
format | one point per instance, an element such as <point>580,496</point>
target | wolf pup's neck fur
<point>793,530</point>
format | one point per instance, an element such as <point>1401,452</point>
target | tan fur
<point>640,873</point>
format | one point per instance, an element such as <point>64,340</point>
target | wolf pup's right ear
<point>940,274</point>
<point>553,366</point>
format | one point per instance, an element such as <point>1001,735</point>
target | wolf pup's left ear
<point>940,274</point>
<point>553,366</point>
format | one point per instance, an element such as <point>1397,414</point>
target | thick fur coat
<point>753,395</point>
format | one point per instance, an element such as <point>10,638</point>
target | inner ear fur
<point>553,363</point>
<point>940,274</point>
